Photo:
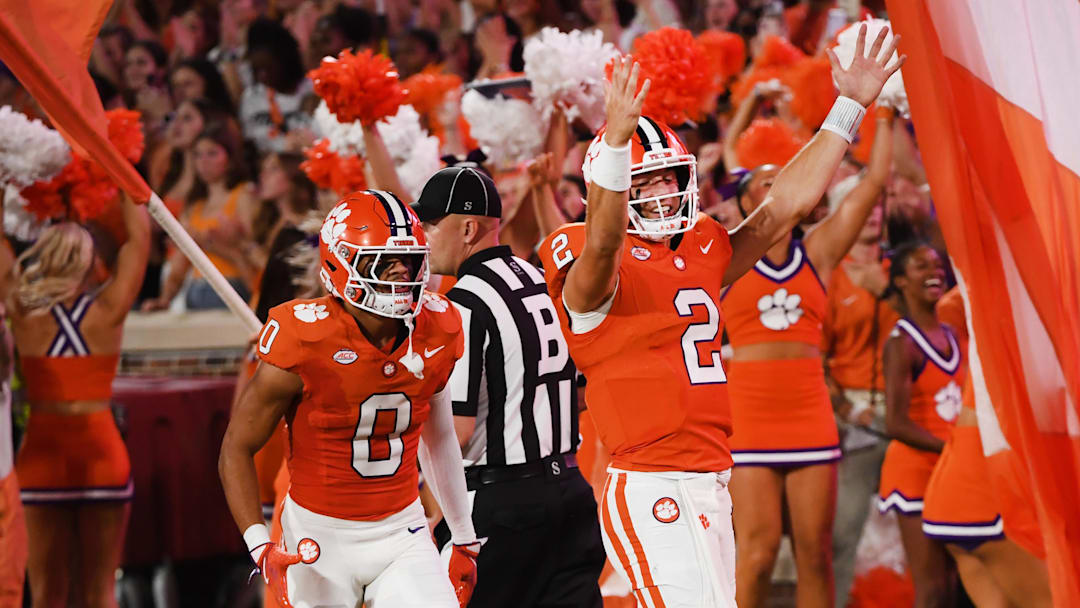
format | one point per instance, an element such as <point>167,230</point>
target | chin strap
<point>412,360</point>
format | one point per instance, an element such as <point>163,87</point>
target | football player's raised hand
<point>623,101</point>
<point>863,79</point>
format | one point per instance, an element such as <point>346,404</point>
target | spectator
<point>145,87</point>
<point>345,28</point>
<point>290,195</point>
<point>194,32</point>
<point>276,111</point>
<point>229,55</point>
<point>218,217</point>
<point>720,14</point>
<point>172,172</point>
<point>110,51</point>
<point>198,78</point>
<point>416,50</point>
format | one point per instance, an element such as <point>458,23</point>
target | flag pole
<point>191,249</point>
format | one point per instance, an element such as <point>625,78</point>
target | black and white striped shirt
<point>516,376</point>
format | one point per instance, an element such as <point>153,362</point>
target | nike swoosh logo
<point>416,529</point>
<point>848,301</point>
<point>706,248</point>
<point>428,353</point>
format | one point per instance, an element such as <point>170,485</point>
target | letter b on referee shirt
<point>553,353</point>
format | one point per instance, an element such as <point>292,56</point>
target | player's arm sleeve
<point>467,380</point>
<point>278,343</point>
<point>440,460</point>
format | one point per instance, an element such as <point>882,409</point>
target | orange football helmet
<point>655,147</point>
<point>359,235</point>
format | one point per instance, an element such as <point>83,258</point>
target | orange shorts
<point>79,458</point>
<point>904,476</point>
<point>781,414</point>
<point>14,547</point>
<point>960,506</point>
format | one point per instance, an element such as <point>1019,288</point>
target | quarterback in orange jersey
<point>358,376</point>
<point>639,283</point>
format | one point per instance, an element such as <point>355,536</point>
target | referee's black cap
<point>461,190</point>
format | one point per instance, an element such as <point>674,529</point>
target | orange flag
<point>993,92</point>
<point>47,44</point>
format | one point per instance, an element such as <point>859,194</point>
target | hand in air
<point>463,571</point>
<point>623,101</point>
<point>863,79</point>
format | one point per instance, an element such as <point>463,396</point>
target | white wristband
<point>610,169</point>
<point>844,118</point>
<point>256,536</point>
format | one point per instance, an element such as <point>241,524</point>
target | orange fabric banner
<point>990,90</point>
<point>47,44</point>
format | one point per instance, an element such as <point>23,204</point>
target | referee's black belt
<point>552,467</point>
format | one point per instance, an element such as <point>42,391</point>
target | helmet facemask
<point>682,205</point>
<point>365,290</point>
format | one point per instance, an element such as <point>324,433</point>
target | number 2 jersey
<point>353,436</point>
<point>655,385</point>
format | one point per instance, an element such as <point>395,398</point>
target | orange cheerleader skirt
<point>904,476</point>
<point>781,414</point>
<point>73,458</point>
<point>960,506</point>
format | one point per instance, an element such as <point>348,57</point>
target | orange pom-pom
<point>82,191</point>
<point>126,133</point>
<point>767,142</point>
<point>679,70</point>
<point>882,586</point>
<point>778,52</point>
<point>427,90</point>
<point>362,87</point>
<point>45,199</point>
<point>329,171</point>
<point>726,52</point>
<point>812,90</point>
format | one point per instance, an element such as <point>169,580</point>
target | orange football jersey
<point>656,388</point>
<point>353,436</point>
<point>784,303</point>
<point>936,398</point>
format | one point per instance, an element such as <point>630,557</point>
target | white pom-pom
<point>18,222</point>
<point>893,93</point>
<point>568,70</point>
<point>509,131</point>
<point>346,139</point>
<point>29,151</point>
<point>414,152</point>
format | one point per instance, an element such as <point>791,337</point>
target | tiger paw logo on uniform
<point>310,313</point>
<point>780,310</point>
<point>435,303</point>
<point>948,402</point>
<point>666,510</point>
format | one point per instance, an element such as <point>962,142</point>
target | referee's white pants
<point>671,537</point>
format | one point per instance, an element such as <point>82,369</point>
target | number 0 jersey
<point>353,436</point>
<point>655,384</point>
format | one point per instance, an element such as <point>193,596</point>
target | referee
<point>515,408</point>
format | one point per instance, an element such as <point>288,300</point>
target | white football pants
<point>671,537</point>
<point>389,563</point>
